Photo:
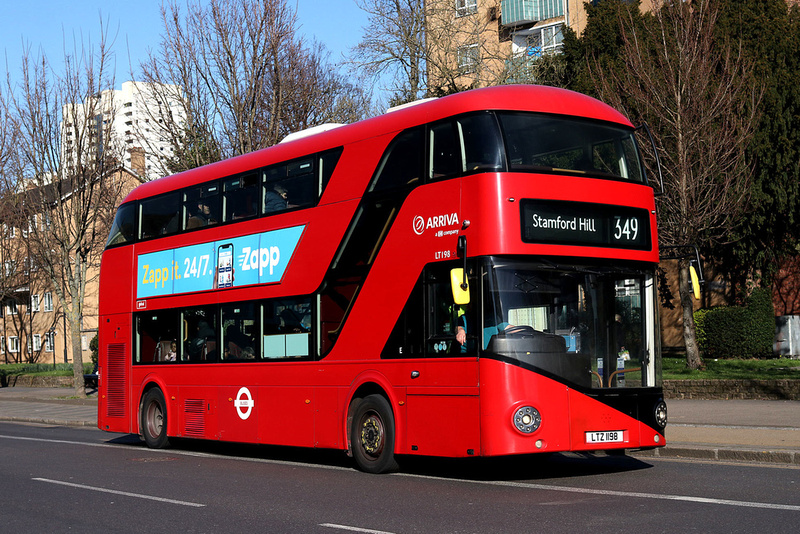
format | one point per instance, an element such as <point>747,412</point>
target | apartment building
<point>140,118</point>
<point>474,43</point>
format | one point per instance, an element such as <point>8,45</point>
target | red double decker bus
<point>468,276</point>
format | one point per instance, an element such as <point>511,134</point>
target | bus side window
<point>287,328</point>
<point>200,334</point>
<point>158,335</point>
<point>327,163</point>
<point>401,164</point>
<point>201,206</point>
<point>240,197</point>
<point>406,339</point>
<point>444,152</point>
<point>160,215</point>
<point>481,143</point>
<point>124,227</point>
<point>290,185</point>
<point>240,331</point>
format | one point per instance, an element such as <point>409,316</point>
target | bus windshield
<point>545,143</point>
<point>585,325</point>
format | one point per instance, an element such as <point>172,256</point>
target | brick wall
<point>732,389</point>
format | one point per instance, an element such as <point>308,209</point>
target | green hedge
<point>738,331</point>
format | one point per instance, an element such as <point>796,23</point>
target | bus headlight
<point>661,414</point>
<point>527,419</point>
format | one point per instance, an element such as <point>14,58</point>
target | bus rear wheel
<point>153,419</point>
<point>372,435</point>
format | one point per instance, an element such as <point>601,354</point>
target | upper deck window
<point>550,144</point>
<point>241,197</point>
<point>284,186</point>
<point>290,185</point>
<point>465,145</point>
<point>201,206</point>
<point>124,228</point>
<point>160,215</point>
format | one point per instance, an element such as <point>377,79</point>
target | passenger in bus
<point>202,217</point>
<point>237,344</point>
<point>173,352</point>
<point>203,343</point>
<point>277,199</point>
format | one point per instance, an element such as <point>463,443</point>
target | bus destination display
<point>583,223</point>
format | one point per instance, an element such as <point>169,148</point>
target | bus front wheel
<point>153,419</point>
<point>372,435</point>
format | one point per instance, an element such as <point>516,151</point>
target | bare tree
<point>61,173</point>
<point>394,45</point>
<point>701,103</point>
<point>243,76</point>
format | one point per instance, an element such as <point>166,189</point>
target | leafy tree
<point>769,31</point>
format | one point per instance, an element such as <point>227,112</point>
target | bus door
<point>440,373</point>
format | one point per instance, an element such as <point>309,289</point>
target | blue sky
<point>49,24</point>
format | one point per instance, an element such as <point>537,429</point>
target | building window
<point>48,302</point>
<point>34,307</point>
<point>466,7</point>
<point>468,58</point>
<point>11,307</point>
<point>13,344</point>
<point>49,341</point>
<point>2,344</point>
<point>540,41</point>
<point>37,342</point>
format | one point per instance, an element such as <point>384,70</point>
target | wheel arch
<point>152,382</point>
<point>372,383</point>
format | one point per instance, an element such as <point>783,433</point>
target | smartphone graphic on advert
<point>225,266</point>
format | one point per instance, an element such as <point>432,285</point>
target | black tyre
<point>153,419</point>
<point>372,435</point>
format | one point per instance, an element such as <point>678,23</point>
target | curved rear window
<point>123,230</point>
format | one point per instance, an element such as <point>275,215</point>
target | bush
<point>738,331</point>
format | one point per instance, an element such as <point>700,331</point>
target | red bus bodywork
<point>455,406</point>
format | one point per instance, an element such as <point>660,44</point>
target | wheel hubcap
<point>372,435</point>
<point>155,420</point>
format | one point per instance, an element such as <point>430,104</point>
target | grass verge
<point>674,368</point>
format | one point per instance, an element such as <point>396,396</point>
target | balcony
<point>518,12</point>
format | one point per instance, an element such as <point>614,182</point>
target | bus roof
<point>532,98</point>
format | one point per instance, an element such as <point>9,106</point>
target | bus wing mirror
<point>695,282</point>
<point>460,287</point>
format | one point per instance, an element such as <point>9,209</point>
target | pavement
<point>764,431</point>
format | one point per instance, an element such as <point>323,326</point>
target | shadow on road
<point>509,468</point>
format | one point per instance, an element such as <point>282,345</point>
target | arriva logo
<point>437,221</point>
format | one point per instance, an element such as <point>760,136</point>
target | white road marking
<point>354,529</point>
<point>523,485</point>
<point>626,494</point>
<point>117,492</point>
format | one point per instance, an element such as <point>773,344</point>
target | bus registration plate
<point>608,436</point>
